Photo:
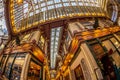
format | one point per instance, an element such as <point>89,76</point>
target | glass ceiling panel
<point>55,39</point>
<point>24,15</point>
<point>3,29</point>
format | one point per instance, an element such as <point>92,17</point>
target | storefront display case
<point>24,62</point>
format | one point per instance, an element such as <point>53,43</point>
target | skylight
<point>55,39</point>
<point>37,11</point>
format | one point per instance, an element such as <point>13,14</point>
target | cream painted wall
<point>77,60</point>
<point>90,64</point>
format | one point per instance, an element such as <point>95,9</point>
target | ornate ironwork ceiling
<point>30,13</point>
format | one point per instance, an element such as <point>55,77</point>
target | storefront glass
<point>17,67</point>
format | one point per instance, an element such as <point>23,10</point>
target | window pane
<point>17,67</point>
<point>9,65</point>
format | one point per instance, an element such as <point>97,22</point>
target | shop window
<point>79,73</point>
<point>9,65</point>
<point>34,72</point>
<point>17,67</point>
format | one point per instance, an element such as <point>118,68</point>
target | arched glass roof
<point>3,29</point>
<point>32,12</point>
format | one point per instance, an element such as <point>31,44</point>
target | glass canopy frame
<point>54,45</point>
<point>32,12</point>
